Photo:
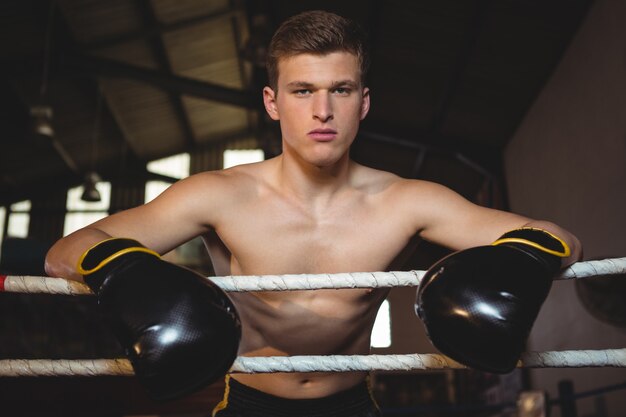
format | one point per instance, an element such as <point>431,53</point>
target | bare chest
<point>277,239</point>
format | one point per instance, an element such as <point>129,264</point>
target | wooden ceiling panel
<point>145,115</point>
<point>91,20</point>
<point>206,52</point>
<point>172,11</point>
<point>136,52</point>
<point>211,121</point>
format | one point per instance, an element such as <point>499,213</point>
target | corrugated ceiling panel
<point>211,121</point>
<point>91,20</point>
<point>145,115</point>
<point>138,53</point>
<point>170,11</point>
<point>208,52</point>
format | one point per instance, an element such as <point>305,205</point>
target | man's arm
<point>183,211</point>
<point>149,303</point>
<point>448,219</point>
<point>479,304</point>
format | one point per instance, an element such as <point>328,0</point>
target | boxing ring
<point>328,363</point>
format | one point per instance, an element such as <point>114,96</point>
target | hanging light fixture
<point>41,114</point>
<point>42,120</point>
<point>90,192</point>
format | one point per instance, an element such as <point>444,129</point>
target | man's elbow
<point>58,263</point>
<point>62,258</point>
<point>53,265</point>
<point>52,270</point>
<point>576,249</point>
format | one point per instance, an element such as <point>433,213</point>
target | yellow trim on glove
<point>108,259</point>
<point>564,254</point>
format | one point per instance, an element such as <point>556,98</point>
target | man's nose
<point>322,107</point>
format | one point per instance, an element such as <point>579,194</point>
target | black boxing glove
<point>179,330</point>
<point>478,305</point>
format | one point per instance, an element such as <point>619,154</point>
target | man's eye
<point>303,92</point>
<point>342,91</point>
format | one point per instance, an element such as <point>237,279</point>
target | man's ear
<point>365,103</point>
<point>269,100</point>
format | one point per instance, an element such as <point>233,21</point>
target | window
<point>233,157</point>
<point>82,213</point>
<point>18,219</point>
<point>381,333</point>
<point>154,188</point>
<point>2,218</point>
<point>176,166</point>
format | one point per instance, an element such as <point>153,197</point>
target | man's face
<point>319,103</point>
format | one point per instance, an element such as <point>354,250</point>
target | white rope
<point>575,358</point>
<point>410,362</point>
<point>32,284</point>
<point>332,363</point>
<point>319,281</point>
<point>613,266</point>
<point>342,363</point>
<point>65,367</point>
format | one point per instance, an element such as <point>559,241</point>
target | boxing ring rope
<point>329,363</point>
<point>32,284</point>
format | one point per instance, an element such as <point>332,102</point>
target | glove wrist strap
<point>102,253</point>
<point>539,239</point>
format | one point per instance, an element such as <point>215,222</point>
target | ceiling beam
<point>169,82</point>
<point>156,29</point>
<point>158,47</point>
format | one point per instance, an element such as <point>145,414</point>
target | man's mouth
<point>323,135</point>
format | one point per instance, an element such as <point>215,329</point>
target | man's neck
<point>308,182</point>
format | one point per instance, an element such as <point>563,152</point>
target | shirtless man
<point>309,210</point>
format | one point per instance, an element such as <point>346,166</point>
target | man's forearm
<point>62,258</point>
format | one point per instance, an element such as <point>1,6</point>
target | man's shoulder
<point>368,177</point>
<point>395,184</point>
<point>226,185</point>
<point>239,175</point>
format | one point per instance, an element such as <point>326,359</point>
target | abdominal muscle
<point>320,322</point>
<point>288,323</point>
